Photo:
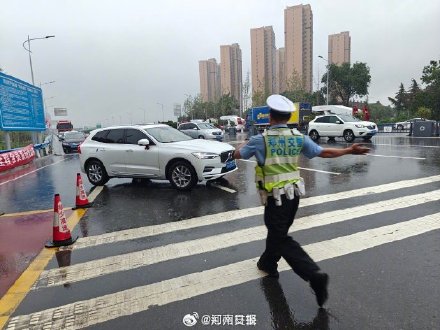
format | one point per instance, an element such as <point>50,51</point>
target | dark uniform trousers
<point>278,220</point>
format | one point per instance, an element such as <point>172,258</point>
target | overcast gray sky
<point>114,61</point>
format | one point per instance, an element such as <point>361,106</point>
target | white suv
<point>347,126</point>
<point>155,152</point>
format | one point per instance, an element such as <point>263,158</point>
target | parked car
<point>71,140</point>
<point>154,151</point>
<point>406,124</point>
<point>345,126</point>
<point>201,131</point>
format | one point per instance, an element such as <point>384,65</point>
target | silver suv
<point>201,131</point>
<point>154,151</point>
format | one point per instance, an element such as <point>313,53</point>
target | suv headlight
<point>359,125</point>
<point>205,155</point>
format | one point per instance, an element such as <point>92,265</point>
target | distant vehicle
<point>64,126</point>
<point>235,121</point>
<point>71,141</point>
<point>406,124</point>
<point>201,131</point>
<point>300,117</point>
<point>347,126</point>
<point>155,151</point>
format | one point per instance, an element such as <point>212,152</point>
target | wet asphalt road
<point>168,254</point>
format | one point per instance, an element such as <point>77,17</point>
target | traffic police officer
<point>280,186</point>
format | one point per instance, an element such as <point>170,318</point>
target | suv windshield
<point>205,126</point>
<point>74,136</point>
<point>348,118</point>
<point>166,134</point>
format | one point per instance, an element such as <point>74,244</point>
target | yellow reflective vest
<point>283,147</point>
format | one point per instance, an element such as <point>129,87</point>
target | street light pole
<point>30,59</point>
<point>163,117</point>
<point>47,83</point>
<point>29,51</point>
<point>328,74</point>
<point>34,135</point>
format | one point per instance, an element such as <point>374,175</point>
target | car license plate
<point>230,165</point>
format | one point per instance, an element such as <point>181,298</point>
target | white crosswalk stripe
<point>84,313</point>
<point>131,234</point>
<point>92,269</point>
<point>97,310</point>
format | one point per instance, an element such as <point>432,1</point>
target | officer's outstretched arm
<point>354,149</point>
<point>237,154</point>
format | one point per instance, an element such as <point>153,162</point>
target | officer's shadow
<point>282,317</point>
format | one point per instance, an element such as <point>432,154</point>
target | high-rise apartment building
<point>209,73</point>
<point>280,71</point>
<point>339,48</point>
<point>298,32</point>
<point>263,52</point>
<point>231,71</point>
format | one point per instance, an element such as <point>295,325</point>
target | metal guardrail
<point>389,128</point>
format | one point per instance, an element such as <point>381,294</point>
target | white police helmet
<point>280,103</point>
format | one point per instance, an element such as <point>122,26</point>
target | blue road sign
<point>21,105</point>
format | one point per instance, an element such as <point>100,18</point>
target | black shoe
<point>319,284</point>
<point>273,273</point>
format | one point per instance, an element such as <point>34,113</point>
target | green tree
<point>259,98</point>
<point>431,77</point>
<point>194,107</point>
<point>380,113</point>
<point>246,91</point>
<point>424,112</point>
<point>416,97</point>
<point>296,93</point>
<point>227,105</point>
<point>400,101</point>
<point>346,81</point>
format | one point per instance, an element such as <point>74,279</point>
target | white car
<point>201,131</point>
<point>154,151</point>
<point>406,124</point>
<point>345,126</point>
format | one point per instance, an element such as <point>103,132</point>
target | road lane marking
<point>402,157</point>
<point>405,145</point>
<point>96,268</point>
<point>18,214</point>
<point>18,291</point>
<point>229,190</point>
<point>320,171</point>
<point>301,168</point>
<point>19,177</point>
<point>141,232</point>
<point>97,310</point>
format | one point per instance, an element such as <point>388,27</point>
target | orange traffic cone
<point>61,234</point>
<point>82,201</point>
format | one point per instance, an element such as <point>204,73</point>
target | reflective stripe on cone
<point>81,201</point>
<point>61,233</point>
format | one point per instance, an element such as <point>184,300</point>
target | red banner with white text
<point>16,158</point>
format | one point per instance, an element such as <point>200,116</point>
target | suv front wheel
<point>348,135</point>
<point>314,135</point>
<point>182,175</point>
<point>96,173</point>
